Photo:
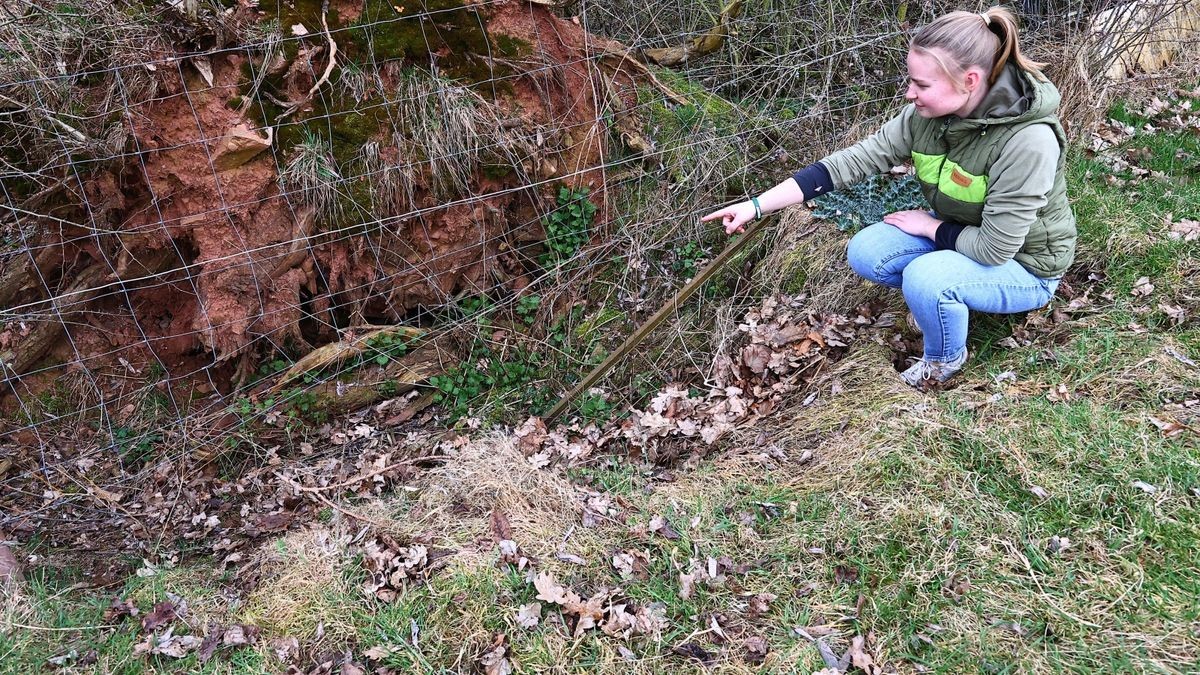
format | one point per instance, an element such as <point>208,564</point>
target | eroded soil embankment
<point>222,267</point>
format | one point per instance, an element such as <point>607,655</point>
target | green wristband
<point>757,208</point>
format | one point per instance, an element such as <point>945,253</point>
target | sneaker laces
<point>924,370</point>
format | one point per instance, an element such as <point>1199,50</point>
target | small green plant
<point>688,259</point>
<point>303,404</point>
<point>134,446</point>
<point>295,405</point>
<point>568,226</point>
<point>271,367</point>
<point>475,306</point>
<point>518,369</point>
<point>594,407</point>
<point>527,307</point>
<point>388,389</point>
<point>459,386</point>
<point>385,348</point>
<point>869,201</point>
<point>515,375</point>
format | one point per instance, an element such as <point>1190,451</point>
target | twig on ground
<point>827,655</point>
<point>328,502</point>
<point>370,474</point>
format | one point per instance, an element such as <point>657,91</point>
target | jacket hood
<point>1016,96</point>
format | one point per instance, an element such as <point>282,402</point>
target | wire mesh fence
<point>200,196</point>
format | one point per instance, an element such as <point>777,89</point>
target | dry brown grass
<point>14,604</point>
<point>307,573</point>
<point>305,587</point>
<point>456,500</point>
<point>812,257</point>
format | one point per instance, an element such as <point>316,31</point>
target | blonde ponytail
<point>987,40</point>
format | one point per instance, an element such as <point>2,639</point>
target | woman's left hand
<point>915,222</point>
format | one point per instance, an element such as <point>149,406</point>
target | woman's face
<point>932,90</point>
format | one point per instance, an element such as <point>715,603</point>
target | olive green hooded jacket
<point>999,171</point>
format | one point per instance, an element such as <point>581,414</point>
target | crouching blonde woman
<point>982,133</point>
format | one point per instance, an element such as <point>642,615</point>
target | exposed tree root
<point>706,44</point>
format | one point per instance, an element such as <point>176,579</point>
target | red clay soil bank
<point>242,260</point>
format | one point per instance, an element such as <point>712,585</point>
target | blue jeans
<point>940,286</point>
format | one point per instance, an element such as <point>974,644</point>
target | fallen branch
<point>336,353</point>
<point>370,474</point>
<point>328,502</point>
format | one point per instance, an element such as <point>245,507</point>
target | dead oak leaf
<point>861,658</point>
<point>1169,428</point>
<point>845,574</point>
<point>495,660</point>
<point>756,357</point>
<point>120,609</point>
<point>760,604</point>
<point>1142,287</point>
<point>1175,313</point>
<point>1185,230</point>
<point>237,635</point>
<point>531,436</point>
<point>285,648</point>
<point>167,644</point>
<point>380,652</point>
<point>687,584</point>
<point>587,613</point>
<point>162,614</point>
<point>757,648</point>
<point>500,527</point>
<point>241,634</point>
<point>528,616</point>
<point>551,591</point>
<point>209,645</point>
<point>632,563</point>
<point>662,527</point>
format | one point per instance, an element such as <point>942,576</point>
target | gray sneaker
<point>923,373</point>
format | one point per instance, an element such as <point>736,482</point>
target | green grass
<point>59,617</point>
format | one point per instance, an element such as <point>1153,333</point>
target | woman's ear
<point>973,78</point>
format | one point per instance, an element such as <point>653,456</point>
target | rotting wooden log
<point>89,284</point>
<point>337,353</point>
<point>399,376</point>
<point>19,271</point>
<point>14,277</point>
<point>706,44</point>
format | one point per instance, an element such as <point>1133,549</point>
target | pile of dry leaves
<point>92,502</point>
<point>784,348</point>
